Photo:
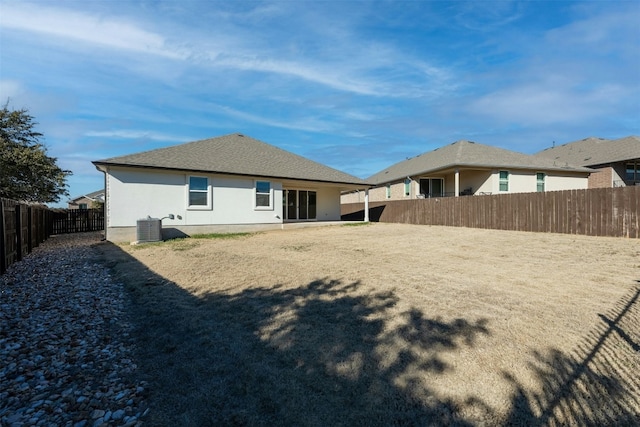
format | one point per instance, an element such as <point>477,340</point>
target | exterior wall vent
<point>149,230</point>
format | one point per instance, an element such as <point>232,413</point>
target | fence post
<point>29,229</point>
<point>18,213</point>
<point>3,245</point>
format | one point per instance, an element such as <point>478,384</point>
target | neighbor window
<point>199,195</point>
<point>540,182</point>
<point>407,187</point>
<point>432,187</point>
<point>504,180</point>
<point>263,195</point>
<point>83,206</point>
<point>388,191</point>
<point>633,172</point>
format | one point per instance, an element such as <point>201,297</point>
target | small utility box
<point>149,230</point>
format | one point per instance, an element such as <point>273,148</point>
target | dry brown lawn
<point>387,324</point>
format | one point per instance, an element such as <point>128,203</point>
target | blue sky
<point>356,85</point>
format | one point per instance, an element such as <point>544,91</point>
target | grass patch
<point>187,243</point>
<point>180,245</point>
<point>142,245</point>
<point>356,224</point>
<point>221,235</point>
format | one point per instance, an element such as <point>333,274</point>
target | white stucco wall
<point>559,183</point>
<point>526,182</point>
<point>134,194</point>
<point>328,204</point>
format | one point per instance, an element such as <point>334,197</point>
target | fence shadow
<point>321,354</point>
<point>598,384</point>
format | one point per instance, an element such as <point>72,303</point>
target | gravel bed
<point>66,353</point>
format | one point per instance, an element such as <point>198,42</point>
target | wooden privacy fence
<point>24,227</point>
<point>611,212</point>
<point>76,220</point>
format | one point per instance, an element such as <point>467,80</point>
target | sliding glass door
<point>299,204</point>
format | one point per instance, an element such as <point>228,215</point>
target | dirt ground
<point>387,324</point>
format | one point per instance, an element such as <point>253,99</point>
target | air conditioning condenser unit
<point>149,230</point>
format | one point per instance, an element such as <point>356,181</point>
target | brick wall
<point>602,178</point>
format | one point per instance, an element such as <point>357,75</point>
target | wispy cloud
<point>574,74</point>
<point>318,74</point>
<point>11,88</point>
<point>137,134</point>
<point>353,65</point>
<point>546,104</point>
<point>83,27</point>
<point>300,124</point>
<point>487,16</point>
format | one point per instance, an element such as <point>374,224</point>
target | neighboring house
<point>616,162</point>
<point>229,183</point>
<point>467,168</point>
<point>87,201</point>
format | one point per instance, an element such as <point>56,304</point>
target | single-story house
<point>468,168</point>
<point>87,201</point>
<point>616,163</point>
<point>228,183</point>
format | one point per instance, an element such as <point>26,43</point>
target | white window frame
<point>209,204</point>
<point>543,182</point>
<point>501,181</point>
<point>255,195</point>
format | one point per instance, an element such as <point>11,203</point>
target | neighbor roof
<point>94,195</point>
<point>468,154</point>
<point>595,151</point>
<point>234,154</point>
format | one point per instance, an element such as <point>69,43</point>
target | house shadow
<point>324,353</point>
<point>375,213</point>
<point>169,233</point>
<point>598,384</point>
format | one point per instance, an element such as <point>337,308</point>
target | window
<point>504,180</point>
<point>407,187</point>
<point>540,182</point>
<point>199,194</point>
<point>432,187</point>
<point>388,191</point>
<point>82,206</point>
<point>633,172</point>
<point>263,195</point>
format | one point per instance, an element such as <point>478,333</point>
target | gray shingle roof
<point>234,154</point>
<point>98,194</point>
<point>595,151</point>
<point>468,154</point>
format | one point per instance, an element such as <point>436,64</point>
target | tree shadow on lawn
<point>327,354</point>
<point>597,385</point>
<point>320,354</point>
